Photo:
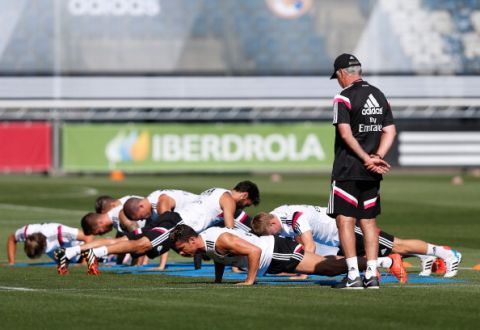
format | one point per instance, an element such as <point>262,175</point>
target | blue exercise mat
<point>187,270</point>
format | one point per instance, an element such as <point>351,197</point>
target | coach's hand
<point>377,165</point>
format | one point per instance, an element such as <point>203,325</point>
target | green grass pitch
<point>424,206</point>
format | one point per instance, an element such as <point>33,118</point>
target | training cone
<point>476,267</point>
<point>117,175</point>
<point>406,264</point>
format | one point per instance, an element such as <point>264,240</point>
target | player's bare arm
<point>86,238</point>
<point>11,249</point>
<point>228,205</point>
<point>165,203</point>
<point>229,243</point>
<point>219,270</point>
<point>125,223</point>
<point>306,239</point>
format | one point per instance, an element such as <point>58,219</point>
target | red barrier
<point>25,147</point>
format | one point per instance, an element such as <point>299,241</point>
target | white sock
<point>72,252</point>
<point>422,256</point>
<point>371,269</point>
<point>100,252</point>
<point>384,262</point>
<point>352,265</point>
<point>438,251</point>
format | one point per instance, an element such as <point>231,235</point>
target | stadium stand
<point>235,37</point>
<point>229,60</point>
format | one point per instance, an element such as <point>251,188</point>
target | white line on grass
<point>38,209</point>
<point>460,268</point>
<point>224,287</point>
<point>84,191</point>
<point>11,288</point>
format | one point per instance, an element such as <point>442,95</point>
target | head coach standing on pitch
<point>364,134</point>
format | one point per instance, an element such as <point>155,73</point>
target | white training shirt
<point>114,215</point>
<point>204,211</point>
<point>298,219</point>
<point>181,198</point>
<point>265,243</point>
<point>57,235</point>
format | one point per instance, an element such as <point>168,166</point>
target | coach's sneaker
<point>62,261</point>
<point>426,265</point>
<point>347,283</point>
<point>397,268</point>
<point>92,262</point>
<point>452,263</point>
<point>371,283</point>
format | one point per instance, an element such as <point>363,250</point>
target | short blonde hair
<point>35,245</point>
<point>260,223</point>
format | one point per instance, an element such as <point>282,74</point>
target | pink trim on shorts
<point>345,196</point>
<point>370,203</point>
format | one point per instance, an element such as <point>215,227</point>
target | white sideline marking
<point>224,287</point>
<point>84,191</point>
<point>11,288</point>
<point>38,209</point>
<point>459,268</point>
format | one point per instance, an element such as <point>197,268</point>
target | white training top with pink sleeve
<point>297,219</point>
<point>57,235</point>
<point>204,211</point>
<point>181,198</point>
<point>265,243</point>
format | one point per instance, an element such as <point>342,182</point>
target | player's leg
<point>125,246</point>
<point>451,257</point>
<point>289,256</point>
<point>76,250</point>
<point>315,264</point>
<point>64,255</point>
<point>409,246</point>
<point>138,246</point>
<point>154,241</point>
<point>327,265</point>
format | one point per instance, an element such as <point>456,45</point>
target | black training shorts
<point>287,254</point>
<point>357,199</point>
<point>158,235</point>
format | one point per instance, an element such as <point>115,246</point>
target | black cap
<point>344,61</point>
